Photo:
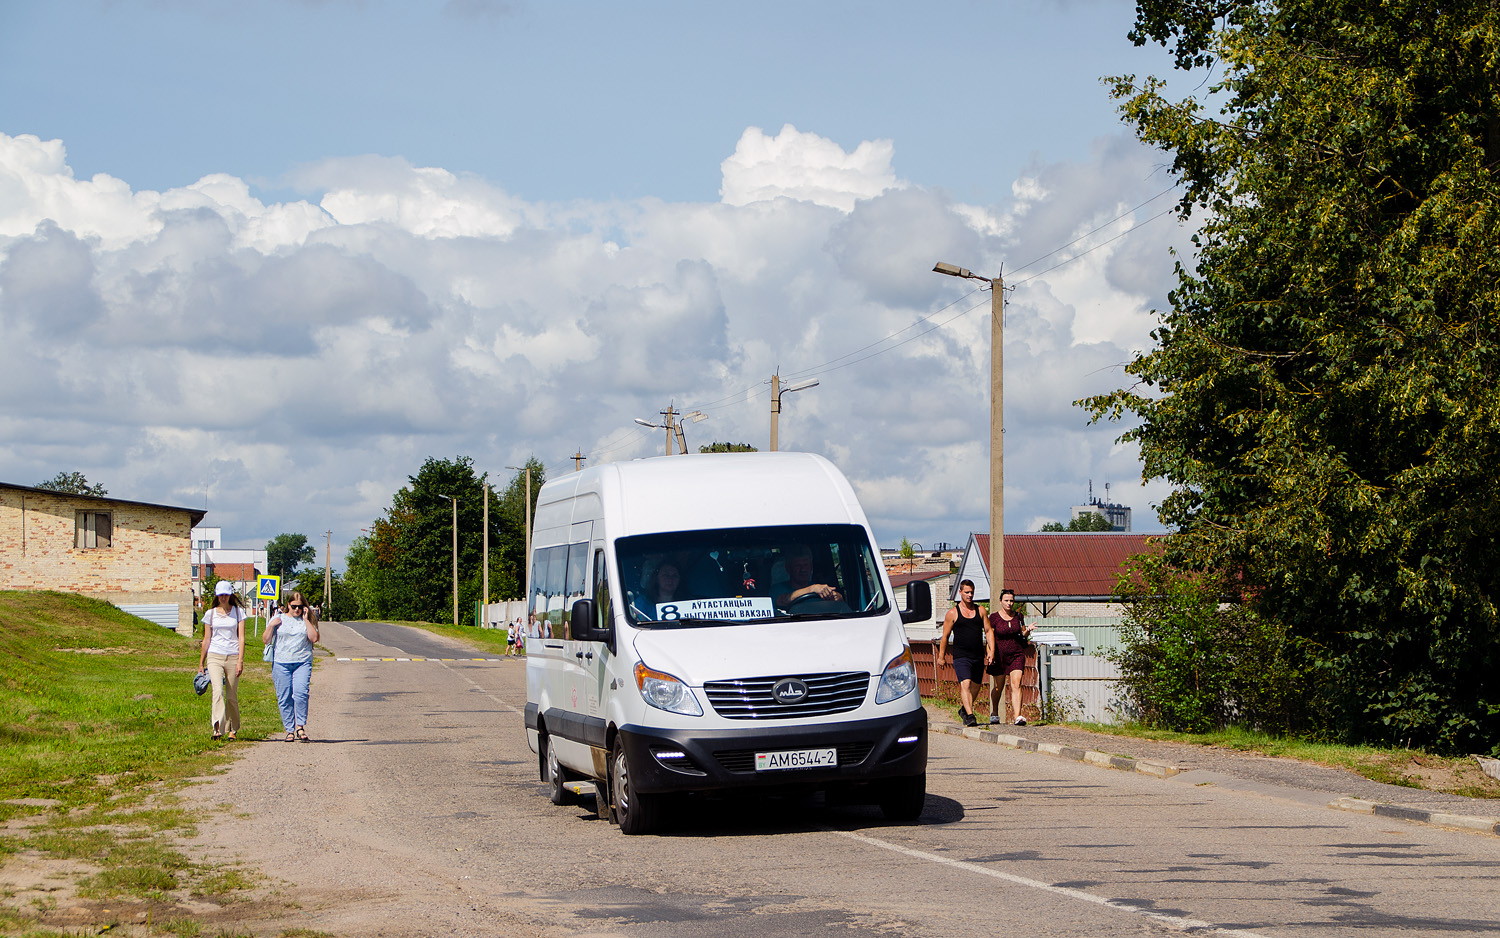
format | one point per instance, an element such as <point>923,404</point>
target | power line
<point>1127,212</point>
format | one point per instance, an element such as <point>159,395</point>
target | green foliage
<point>907,550</point>
<point>403,569</point>
<point>1323,394</point>
<point>1192,663</point>
<point>73,483</point>
<point>310,585</point>
<point>1053,527</point>
<point>727,448</point>
<point>286,552</point>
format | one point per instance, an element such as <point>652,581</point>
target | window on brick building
<point>93,529</point>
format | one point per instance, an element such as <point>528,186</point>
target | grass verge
<point>100,725</point>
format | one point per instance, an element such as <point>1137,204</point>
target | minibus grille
<point>750,698</point>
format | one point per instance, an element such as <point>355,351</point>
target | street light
<point>776,391</point>
<point>997,421</point>
<point>697,415</point>
<point>455,554</point>
<point>672,425</point>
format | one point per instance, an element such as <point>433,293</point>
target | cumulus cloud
<point>292,363</point>
<point>807,167</point>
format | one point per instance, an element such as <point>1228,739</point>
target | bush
<point>1191,662</point>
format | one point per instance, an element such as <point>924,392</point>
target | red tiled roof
<point>1064,565</point>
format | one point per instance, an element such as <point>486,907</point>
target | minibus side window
<point>602,610</point>
<point>557,562</point>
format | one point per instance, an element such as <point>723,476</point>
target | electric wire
<point>745,395</point>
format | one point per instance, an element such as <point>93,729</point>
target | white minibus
<point>718,622</point>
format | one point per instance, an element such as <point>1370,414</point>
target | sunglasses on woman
<point>296,606</point>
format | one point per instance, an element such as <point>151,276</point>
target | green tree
<point>728,448</point>
<point>404,569</point>
<point>73,483</point>
<point>1322,394</point>
<point>310,585</point>
<point>286,552</point>
<point>1053,526</point>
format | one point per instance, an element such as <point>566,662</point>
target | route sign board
<point>269,588</point>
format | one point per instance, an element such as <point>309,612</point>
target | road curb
<point>1103,759</point>
<point>1482,825</point>
<point>1468,822</point>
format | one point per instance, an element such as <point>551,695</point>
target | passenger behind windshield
<point>659,587</point>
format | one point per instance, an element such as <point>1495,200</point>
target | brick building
<point>132,554</point>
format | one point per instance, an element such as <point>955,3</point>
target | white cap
<point>223,588</point>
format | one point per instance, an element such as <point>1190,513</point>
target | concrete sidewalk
<point>1285,779</point>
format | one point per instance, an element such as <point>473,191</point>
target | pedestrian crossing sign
<point>269,588</point>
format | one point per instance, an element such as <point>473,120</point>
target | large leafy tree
<point>285,553</point>
<point>404,568</point>
<point>74,483</point>
<point>1323,390</point>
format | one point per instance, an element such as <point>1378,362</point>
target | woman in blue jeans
<point>291,635</point>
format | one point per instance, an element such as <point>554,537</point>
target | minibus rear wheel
<point>555,775</point>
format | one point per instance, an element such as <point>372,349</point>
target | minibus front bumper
<point>668,760</point>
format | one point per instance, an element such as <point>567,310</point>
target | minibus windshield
<point>729,576</point>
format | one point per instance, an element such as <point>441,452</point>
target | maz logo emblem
<point>789,691</point>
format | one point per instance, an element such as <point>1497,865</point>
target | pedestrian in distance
<point>222,658</point>
<point>973,648</point>
<point>1009,662</point>
<point>291,636</point>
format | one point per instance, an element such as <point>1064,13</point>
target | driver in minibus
<point>798,585</point>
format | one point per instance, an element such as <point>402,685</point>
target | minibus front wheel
<point>636,813</point>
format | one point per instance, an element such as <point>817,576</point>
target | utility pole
<point>578,459</point>
<point>670,414</point>
<point>484,612</point>
<point>997,421</point>
<point>327,572</point>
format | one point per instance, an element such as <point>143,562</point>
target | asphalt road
<point>417,810</point>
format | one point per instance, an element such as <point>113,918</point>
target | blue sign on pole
<point>269,588</point>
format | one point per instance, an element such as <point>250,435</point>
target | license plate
<point>796,759</point>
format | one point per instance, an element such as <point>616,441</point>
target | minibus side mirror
<point>581,625</point>
<point>583,628</point>
<point>918,602</point>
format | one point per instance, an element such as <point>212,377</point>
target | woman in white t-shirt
<point>223,658</point>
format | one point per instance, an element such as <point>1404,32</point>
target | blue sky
<point>498,229</point>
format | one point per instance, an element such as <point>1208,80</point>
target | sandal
<point>229,738</point>
<point>302,735</point>
<point>290,736</point>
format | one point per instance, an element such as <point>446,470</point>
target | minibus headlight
<point>899,678</point>
<point>665,692</point>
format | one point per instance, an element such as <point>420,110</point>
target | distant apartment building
<point>131,554</point>
<point>1118,516</point>
<point>241,566</point>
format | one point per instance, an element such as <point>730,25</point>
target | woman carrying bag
<point>222,658</point>
<point>290,637</point>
